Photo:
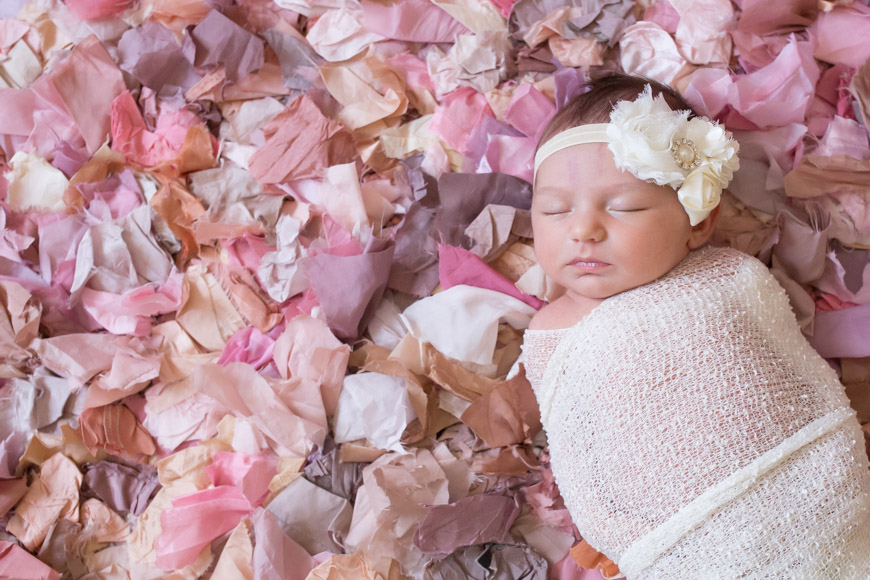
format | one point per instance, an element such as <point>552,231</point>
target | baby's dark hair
<point>595,105</point>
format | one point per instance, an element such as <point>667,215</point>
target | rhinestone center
<point>685,154</point>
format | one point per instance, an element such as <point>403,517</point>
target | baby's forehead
<point>563,187</point>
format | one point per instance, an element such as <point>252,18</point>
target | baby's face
<point>600,231</point>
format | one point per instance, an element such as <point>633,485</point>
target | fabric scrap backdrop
<point>265,266</point>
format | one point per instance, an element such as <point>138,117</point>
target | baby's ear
<point>702,231</point>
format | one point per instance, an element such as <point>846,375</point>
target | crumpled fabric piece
<point>276,556</point>
<point>19,321</point>
<point>550,542</point>
<point>707,90</point>
<point>836,333</point>
<point>502,561</point>
<point>194,520</point>
<point>529,111</point>
<point>838,32</point>
<point>477,61</point>
<point>249,346</point>
<point>206,312</point>
<point>457,266</point>
<point>29,405</point>
<point>298,60</point>
<point>844,275</point>
<point>371,94</point>
<point>235,559</point>
<point>220,41</point>
<point>178,138</point>
<point>462,322</point>
<point>702,32</point>
<point>12,243</point>
<point>116,429</point>
<point>279,271</point>
<point>412,20</point>
<point>446,527</point>
<point>779,93</point>
<point>364,276</point>
<point>580,53</point>
<point>812,176</point>
<point>312,517</point>
<point>34,183</point>
<point>459,113</point>
<point>476,16</point>
<point>15,562</point>
<point>464,195</point>
<point>496,228</point>
<point>236,203</point>
<point>153,56</point>
<point>762,18</point>
<point>123,488</point>
<point>845,136</point>
<point>342,478</point>
<point>553,25</point>
<point>340,34</point>
<point>289,413</point>
<point>415,268</point>
<point>250,473</point>
<point>54,495</point>
<point>308,350</point>
<point>357,566</point>
<point>506,415</point>
<point>98,9</point>
<point>89,65</point>
<point>375,407</point>
<point>392,500</point>
<point>604,20</point>
<point>300,143</point>
<point>647,50</point>
<point>78,357</point>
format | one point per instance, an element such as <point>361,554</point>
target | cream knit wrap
<point>695,434</point>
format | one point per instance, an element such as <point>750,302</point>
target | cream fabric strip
<point>644,552</point>
<point>595,133</point>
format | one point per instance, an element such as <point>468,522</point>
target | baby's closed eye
<point>627,208</point>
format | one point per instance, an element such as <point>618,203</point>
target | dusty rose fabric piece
<point>123,488</point>
<point>448,527</point>
<point>15,562</point>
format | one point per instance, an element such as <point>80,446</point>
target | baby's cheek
<point>547,249</point>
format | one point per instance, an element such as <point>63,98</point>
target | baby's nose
<point>586,226</point>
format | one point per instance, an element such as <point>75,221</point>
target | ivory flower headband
<point>697,157</point>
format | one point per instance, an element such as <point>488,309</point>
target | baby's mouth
<point>588,264</point>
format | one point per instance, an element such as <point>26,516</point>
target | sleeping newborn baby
<point>693,431</point>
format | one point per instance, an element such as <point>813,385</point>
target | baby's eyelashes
<point>551,209</point>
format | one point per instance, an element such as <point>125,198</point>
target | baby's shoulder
<point>544,318</point>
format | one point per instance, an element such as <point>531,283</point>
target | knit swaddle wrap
<point>694,433</point>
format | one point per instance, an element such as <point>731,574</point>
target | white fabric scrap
<point>462,322</point>
<point>375,407</point>
<point>34,183</point>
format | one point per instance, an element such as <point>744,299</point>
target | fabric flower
<point>697,157</point>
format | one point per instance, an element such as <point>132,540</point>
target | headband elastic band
<point>595,133</point>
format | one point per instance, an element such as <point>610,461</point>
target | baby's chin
<point>599,290</point>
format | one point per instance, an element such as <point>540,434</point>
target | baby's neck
<point>564,312</point>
